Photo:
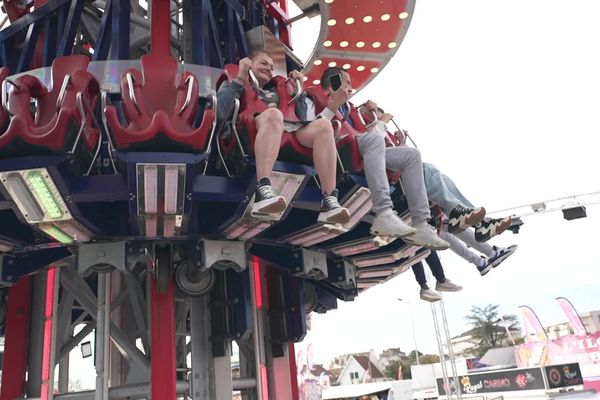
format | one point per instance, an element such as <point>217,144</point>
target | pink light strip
<point>255,231</point>
<point>257,283</point>
<point>322,239</point>
<point>171,183</point>
<point>367,262</point>
<point>356,216</point>
<point>357,248</point>
<point>235,232</point>
<point>151,226</point>
<point>310,235</point>
<point>264,381</point>
<point>169,226</point>
<point>47,346</point>
<point>150,189</point>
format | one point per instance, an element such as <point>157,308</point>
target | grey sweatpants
<point>457,244</point>
<point>403,159</point>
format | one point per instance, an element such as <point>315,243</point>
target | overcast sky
<point>503,96</point>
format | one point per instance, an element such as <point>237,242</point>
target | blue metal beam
<point>29,47</point>
<point>14,266</point>
<point>50,40</point>
<point>102,45</point>
<point>34,16</point>
<point>120,29</point>
<point>65,47</point>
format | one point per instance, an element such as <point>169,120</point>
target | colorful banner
<point>567,349</point>
<point>511,380</point>
<point>532,325</point>
<point>574,319</point>
<point>508,380</point>
<point>559,376</point>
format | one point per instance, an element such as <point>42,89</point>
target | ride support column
<point>163,365</point>
<point>16,340</point>
<point>160,27</point>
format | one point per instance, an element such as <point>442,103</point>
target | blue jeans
<point>435,265</point>
<point>441,190</point>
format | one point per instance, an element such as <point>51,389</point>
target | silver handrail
<point>298,91</point>
<point>336,133</point>
<point>213,99</point>
<point>236,111</point>
<point>188,96</point>
<point>63,92</point>
<point>111,147</point>
<point>362,120</point>
<point>253,80</point>
<point>83,102</point>
<point>405,132</point>
<point>5,93</point>
<point>129,77</point>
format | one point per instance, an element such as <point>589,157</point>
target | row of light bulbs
<point>359,44</point>
<point>367,19</point>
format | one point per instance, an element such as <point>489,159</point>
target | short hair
<point>256,52</point>
<point>327,74</point>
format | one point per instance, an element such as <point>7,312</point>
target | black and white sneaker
<point>486,267</point>
<point>331,210</point>
<point>502,253</point>
<point>265,200</point>
<point>490,227</point>
<point>461,218</point>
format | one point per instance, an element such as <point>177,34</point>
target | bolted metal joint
<point>101,257</point>
<point>224,254</point>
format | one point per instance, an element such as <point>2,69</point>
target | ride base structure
<point>125,205</point>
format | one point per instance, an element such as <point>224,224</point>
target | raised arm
<point>229,91</point>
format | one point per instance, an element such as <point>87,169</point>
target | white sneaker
<point>502,253</point>
<point>448,286</point>
<point>331,210</point>
<point>267,202</point>
<point>425,236</point>
<point>387,223</point>
<point>430,295</point>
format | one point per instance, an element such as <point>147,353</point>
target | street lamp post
<point>412,323</point>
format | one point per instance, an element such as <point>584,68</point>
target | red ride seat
<point>346,137</point>
<point>61,123</point>
<point>250,104</point>
<point>160,110</point>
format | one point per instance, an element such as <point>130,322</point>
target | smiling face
<point>262,66</point>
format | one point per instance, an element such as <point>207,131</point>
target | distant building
<point>390,355</point>
<point>464,345</point>
<point>360,369</point>
<point>325,377</point>
<point>591,321</point>
<point>340,361</point>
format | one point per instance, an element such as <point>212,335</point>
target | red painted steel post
<point>278,10</point>
<point>160,28</point>
<point>16,340</point>
<point>163,342</point>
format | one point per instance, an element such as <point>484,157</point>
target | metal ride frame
<point>164,311</point>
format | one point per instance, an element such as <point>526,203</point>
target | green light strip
<point>45,195</point>
<point>57,234</point>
